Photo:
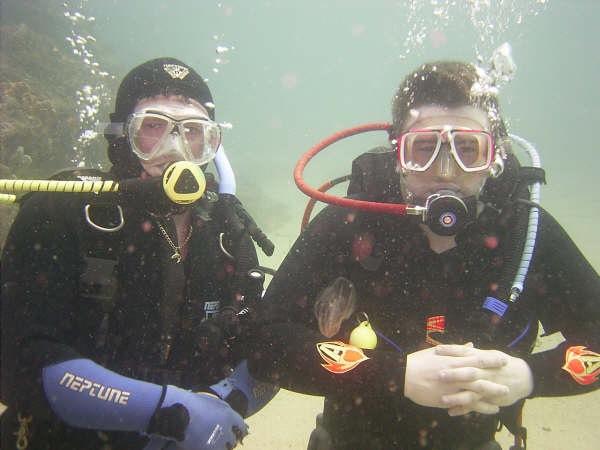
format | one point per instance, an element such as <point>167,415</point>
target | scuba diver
<point>121,315</point>
<point>405,304</point>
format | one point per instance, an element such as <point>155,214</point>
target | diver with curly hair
<point>413,328</point>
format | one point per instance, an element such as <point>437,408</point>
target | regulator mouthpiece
<point>446,214</point>
<point>181,184</point>
<point>184,182</point>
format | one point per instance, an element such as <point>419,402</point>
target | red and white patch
<point>339,356</point>
<point>582,364</point>
<point>434,324</point>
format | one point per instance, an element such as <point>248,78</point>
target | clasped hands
<point>463,379</point>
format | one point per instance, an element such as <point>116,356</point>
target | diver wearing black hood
<point>119,321</point>
<point>148,80</point>
<point>359,307</point>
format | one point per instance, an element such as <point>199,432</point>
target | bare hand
<point>424,385</point>
<point>515,375</point>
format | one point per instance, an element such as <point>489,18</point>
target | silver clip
<point>101,228</point>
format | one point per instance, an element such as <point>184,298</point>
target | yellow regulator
<point>184,182</point>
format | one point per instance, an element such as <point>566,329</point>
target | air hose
<point>524,243</point>
<point>182,182</point>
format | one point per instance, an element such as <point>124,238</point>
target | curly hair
<point>455,84</point>
<point>446,83</point>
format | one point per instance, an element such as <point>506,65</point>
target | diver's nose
<point>446,166</point>
<point>173,143</point>
<point>177,144</point>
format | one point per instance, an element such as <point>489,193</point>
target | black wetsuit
<point>400,284</point>
<point>69,291</point>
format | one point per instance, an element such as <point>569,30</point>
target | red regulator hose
<point>316,194</point>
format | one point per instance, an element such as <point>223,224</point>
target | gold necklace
<point>176,256</point>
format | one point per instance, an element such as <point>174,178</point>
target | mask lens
<point>203,138</point>
<point>197,140</point>
<point>419,149</point>
<point>146,132</point>
<point>472,149</point>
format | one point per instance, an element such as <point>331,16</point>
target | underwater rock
<point>38,110</point>
<point>39,122</point>
<point>20,158</point>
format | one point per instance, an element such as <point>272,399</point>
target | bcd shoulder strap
<point>374,175</point>
<point>97,223</point>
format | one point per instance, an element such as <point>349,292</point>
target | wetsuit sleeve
<point>86,395</point>
<point>285,346</point>
<point>568,290</point>
<point>245,394</point>
<point>40,273</point>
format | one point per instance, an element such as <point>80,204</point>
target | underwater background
<point>286,74</point>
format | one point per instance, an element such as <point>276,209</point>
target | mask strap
<point>497,166</point>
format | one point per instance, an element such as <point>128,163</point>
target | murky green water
<point>294,72</point>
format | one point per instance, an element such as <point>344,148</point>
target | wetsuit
<point>70,291</point>
<point>414,297</point>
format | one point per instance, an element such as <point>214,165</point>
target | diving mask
<point>473,150</point>
<point>156,131</point>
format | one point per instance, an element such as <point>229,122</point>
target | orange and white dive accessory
<point>582,364</point>
<point>339,356</point>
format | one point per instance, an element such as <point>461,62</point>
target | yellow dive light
<point>183,182</point>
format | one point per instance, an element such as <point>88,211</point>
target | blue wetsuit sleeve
<point>86,395</point>
<point>256,393</point>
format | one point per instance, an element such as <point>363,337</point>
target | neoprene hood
<point>161,76</point>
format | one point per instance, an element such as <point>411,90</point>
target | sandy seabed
<point>567,423</point>
<point>559,423</point>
